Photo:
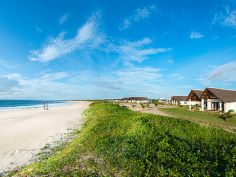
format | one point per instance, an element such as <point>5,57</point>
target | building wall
<point>229,106</point>
<point>193,103</point>
<point>183,103</point>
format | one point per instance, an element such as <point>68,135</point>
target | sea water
<point>6,104</point>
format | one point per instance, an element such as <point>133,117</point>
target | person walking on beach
<point>44,105</point>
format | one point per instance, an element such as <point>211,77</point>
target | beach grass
<point>115,141</point>
<point>208,118</point>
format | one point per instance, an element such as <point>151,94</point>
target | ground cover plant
<point>116,141</point>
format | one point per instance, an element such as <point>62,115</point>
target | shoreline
<point>24,132</point>
<point>8,108</point>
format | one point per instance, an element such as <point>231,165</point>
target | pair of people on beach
<point>45,105</point>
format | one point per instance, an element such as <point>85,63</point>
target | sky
<point>79,49</point>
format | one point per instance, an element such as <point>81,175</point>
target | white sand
<point>23,132</point>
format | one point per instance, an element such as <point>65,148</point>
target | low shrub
<point>227,115</point>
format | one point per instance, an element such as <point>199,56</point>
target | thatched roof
<point>221,94</point>
<point>195,95</point>
<point>179,98</point>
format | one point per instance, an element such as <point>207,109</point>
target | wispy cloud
<point>222,74</point>
<point>139,15</point>
<point>170,61</point>
<point>63,18</point>
<point>44,86</point>
<point>177,76</point>
<point>196,35</point>
<point>230,19</point>
<point>126,81</point>
<point>87,36</point>
<point>38,29</point>
<point>227,17</point>
<point>137,50</point>
<point>7,84</point>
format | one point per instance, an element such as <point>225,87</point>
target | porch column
<point>209,105</point>
<point>202,105</point>
<point>220,104</point>
<point>190,105</point>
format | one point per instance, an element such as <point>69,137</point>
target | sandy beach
<point>23,132</point>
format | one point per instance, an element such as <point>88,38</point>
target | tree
<point>156,102</point>
<point>142,105</point>
<point>133,105</point>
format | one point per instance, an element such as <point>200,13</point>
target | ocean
<point>5,104</point>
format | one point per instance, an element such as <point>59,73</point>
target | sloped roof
<point>198,93</point>
<point>179,98</point>
<point>223,95</point>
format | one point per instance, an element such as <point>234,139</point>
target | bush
<point>227,115</point>
<point>142,105</point>
<point>155,102</point>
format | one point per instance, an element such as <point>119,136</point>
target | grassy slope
<point>119,142</point>
<point>202,117</point>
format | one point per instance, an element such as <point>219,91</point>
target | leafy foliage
<point>155,102</point>
<point>142,105</point>
<point>118,142</point>
<point>227,115</point>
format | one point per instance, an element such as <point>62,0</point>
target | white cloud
<point>53,85</point>
<point>225,18</point>
<point>139,14</point>
<point>137,50</point>
<point>63,18</point>
<point>196,35</point>
<point>177,76</point>
<point>170,61</point>
<point>87,37</point>
<point>230,19</point>
<point>222,74</point>
<point>132,81</point>
<point>7,84</point>
<point>38,29</point>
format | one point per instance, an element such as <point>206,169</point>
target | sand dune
<point>24,132</point>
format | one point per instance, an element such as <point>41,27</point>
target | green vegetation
<point>116,141</point>
<point>155,102</point>
<point>210,119</point>
<point>227,115</point>
<point>142,105</point>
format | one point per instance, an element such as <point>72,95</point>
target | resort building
<point>214,99</point>
<point>136,100</point>
<point>179,100</point>
<point>194,98</point>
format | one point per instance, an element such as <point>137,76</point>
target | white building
<point>179,100</point>
<point>194,98</point>
<point>136,100</point>
<point>214,99</point>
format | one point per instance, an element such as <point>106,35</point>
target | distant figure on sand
<point>44,105</point>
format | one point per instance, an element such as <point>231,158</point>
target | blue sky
<point>112,49</point>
